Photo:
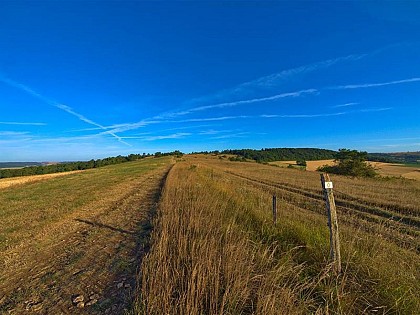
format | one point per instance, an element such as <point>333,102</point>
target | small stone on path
<point>78,298</point>
<point>81,304</point>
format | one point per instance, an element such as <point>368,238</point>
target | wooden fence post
<point>274,209</point>
<point>335,255</point>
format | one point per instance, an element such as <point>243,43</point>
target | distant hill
<point>398,157</point>
<point>20,164</point>
<point>283,154</point>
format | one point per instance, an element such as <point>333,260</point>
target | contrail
<point>367,85</point>
<point>344,105</point>
<point>275,79</point>
<point>22,123</point>
<point>366,110</point>
<point>236,103</point>
<point>60,106</point>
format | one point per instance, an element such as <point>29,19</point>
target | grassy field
<point>206,243</point>
<point>76,234</point>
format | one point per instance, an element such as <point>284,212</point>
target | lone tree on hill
<point>350,163</point>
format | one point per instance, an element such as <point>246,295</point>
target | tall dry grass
<point>201,262</point>
<point>215,250</point>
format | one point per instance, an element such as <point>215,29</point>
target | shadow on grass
<point>101,225</point>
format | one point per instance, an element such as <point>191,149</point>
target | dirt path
<point>90,254</point>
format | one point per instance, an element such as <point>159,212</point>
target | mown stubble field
<point>76,234</point>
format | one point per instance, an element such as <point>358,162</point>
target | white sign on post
<point>328,185</point>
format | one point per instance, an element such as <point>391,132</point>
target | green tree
<point>301,162</point>
<point>351,163</point>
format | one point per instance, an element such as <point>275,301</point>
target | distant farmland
<point>194,235</point>
<point>383,169</point>
<point>19,164</point>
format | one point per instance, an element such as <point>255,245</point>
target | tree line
<point>283,154</point>
<point>348,162</point>
<point>399,157</point>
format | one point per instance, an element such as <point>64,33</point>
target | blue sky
<point>85,79</point>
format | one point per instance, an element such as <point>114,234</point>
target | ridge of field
<point>215,249</point>
<point>383,168</point>
<point>80,233</point>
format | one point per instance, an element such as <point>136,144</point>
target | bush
<point>350,163</point>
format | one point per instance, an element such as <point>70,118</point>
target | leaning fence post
<point>335,255</point>
<point>274,209</point>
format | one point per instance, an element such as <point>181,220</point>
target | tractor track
<point>404,226</point>
<point>406,220</point>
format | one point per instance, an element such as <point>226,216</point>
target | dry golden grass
<point>201,263</point>
<point>216,251</point>
<point>310,165</point>
<point>413,175</point>
<point>390,169</point>
<point>7,182</point>
<point>384,169</point>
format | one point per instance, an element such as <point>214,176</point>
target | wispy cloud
<point>212,118</point>
<point>60,106</point>
<point>371,110</point>
<point>13,133</point>
<point>344,105</point>
<point>276,79</point>
<point>242,102</point>
<point>213,132</point>
<point>165,118</point>
<point>161,137</point>
<point>303,115</point>
<point>22,123</point>
<point>269,81</point>
<point>366,110</point>
<point>129,126</point>
<point>232,135</point>
<point>368,85</point>
<point>391,139</point>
